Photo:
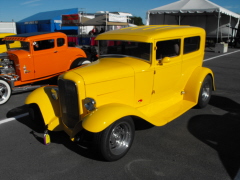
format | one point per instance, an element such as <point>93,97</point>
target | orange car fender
<point>79,53</point>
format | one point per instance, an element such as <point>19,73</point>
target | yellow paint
<point>157,91</point>
<point>47,105</point>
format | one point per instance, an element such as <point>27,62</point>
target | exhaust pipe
<point>26,88</point>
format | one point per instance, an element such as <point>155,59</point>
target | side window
<point>191,44</point>
<point>168,48</point>
<point>44,44</point>
<point>60,42</point>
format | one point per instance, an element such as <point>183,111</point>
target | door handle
<point>55,51</point>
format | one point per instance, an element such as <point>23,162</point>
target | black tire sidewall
<point>104,136</point>
<point>9,90</point>
<point>201,102</point>
<point>36,118</point>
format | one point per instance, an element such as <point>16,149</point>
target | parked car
<point>33,57</point>
<point>153,73</point>
<point>3,47</point>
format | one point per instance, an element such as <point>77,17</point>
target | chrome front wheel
<point>114,142</point>
<point>5,91</point>
<point>120,138</point>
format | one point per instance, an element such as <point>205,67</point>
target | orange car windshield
<point>17,45</point>
<point>2,41</point>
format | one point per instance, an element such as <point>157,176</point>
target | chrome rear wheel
<point>205,92</point>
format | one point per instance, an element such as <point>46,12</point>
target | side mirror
<point>165,60</point>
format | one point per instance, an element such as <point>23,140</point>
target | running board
<point>26,88</point>
<point>171,113</point>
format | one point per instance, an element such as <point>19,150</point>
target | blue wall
<point>47,22</point>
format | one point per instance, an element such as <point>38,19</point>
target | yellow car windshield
<point>118,48</point>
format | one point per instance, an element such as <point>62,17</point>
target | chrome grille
<point>69,102</point>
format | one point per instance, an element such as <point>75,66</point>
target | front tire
<point>36,119</point>
<point>205,92</point>
<point>5,91</point>
<point>115,141</point>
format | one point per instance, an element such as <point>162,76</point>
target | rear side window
<point>191,44</point>
<point>60,42</point>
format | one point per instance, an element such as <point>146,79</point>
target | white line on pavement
<point>13,118</point>
<point>220,55</point>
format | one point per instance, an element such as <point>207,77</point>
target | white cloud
<point>231,7</point>
<point>29,2</point>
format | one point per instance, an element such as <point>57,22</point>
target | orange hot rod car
<point>35,56</point>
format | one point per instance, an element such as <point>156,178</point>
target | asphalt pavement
<point>201,144</point>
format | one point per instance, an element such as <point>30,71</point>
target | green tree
<point>136,20</point>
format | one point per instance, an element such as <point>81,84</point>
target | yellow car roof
<point>2,35</point>
<point>150,33</point>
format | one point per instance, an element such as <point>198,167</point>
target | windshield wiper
<point>112,55</point>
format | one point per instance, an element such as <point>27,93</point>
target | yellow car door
<point>167,70</point>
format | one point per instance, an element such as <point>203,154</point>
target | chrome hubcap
<point>3,92</point>
<point>206,92</point>
<point>120,139</point>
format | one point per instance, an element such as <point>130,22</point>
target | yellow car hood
<point>107,69</point>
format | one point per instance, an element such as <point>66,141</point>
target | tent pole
<point>237,29</point>
<point>218,25</point>
<point>148,18</point>
<point>164,18</point>
<point>229,26</point>
<point>106,22</point>
<point>179,19</point>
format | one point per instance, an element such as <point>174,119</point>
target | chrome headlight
<point>54,92</point>
<point>89,104</point>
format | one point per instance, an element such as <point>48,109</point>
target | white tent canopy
<point>215,19</point>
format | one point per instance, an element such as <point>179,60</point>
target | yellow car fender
<point>105,115</point>
<point>48,106</point>
<point>193,85</point>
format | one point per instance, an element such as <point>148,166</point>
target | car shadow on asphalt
<point>61,137</point>
<point>58,137</point>
<point>221,131</point>
<point>141,124</point>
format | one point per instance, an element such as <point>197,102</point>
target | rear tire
<point>5,91</point>
<point>79,62</point>
<point>114,142</point>
<point>205,92</point>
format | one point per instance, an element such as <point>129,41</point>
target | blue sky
<point>19,9</point>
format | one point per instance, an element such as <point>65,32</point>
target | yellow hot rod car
<point>152,73</point>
